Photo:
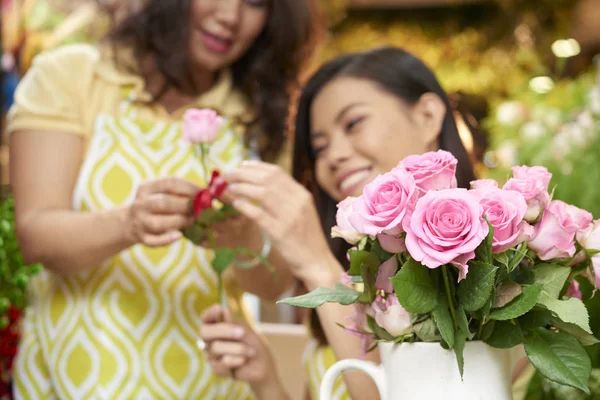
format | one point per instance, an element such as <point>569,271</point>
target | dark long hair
<point>400,74</point>
<point>267,74</point>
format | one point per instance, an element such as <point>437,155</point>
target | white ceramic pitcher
<point>425,371</point>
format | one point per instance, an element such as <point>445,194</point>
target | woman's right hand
<point>160,210</point>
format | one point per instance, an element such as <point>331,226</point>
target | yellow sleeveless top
<point>126,329</point>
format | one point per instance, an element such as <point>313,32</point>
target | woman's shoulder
<point>75,57</point>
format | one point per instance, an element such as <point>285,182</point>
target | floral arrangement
<point>442,264</point>
<point>200,128</point>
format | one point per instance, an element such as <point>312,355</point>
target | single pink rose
<point>360,328</point>
<point>555,233</point>
<point>391,244</point>
<point>446,227</point>
<point>435,170</point>
<point>484,183</point>
<point>386,272</point>
<point>384,204</point>
<point>505,210</point>
<point>344,229</point>
<point>532,183</point>
<point>391,316</point>
<point>201,126</point>
<point>573,290</point>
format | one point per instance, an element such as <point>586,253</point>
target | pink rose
<point>432,170</point>
<point>532,183</point>
<point>201,126</point>
<point>391,244</point>
<point>589,239</point>
<point>573,290</point>
<point>505,210</point>
<point>446,227</point>
<point>344,229</point>
<point>484,183</point>
<point>384,204</point>
<point>345,279</point>
<point>391,316</point>
<point>387,270</point>
<point>555,233</point>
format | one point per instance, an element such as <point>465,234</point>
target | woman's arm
<point>43,169</point>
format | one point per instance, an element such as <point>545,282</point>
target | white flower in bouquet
<point>344,229</point>
<point>391,316</point>
<point>533,131</point>
<point>511,113</point>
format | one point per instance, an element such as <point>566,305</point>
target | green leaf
<point>381,254</point>
<point>369,278</point>
<point>427,331</point>
<point>415,289</point>
<point>476,288</point>
<point>356,279</point>
<point>341,294</point>
<point>571,311</point>
<point>379,332</point>
<point>463,322</point>
<point>519,306</point>
<point>559,357</point>
<point>443,320</point>
<point>502,259</point>
<point>506,293</point>
<point>552,277</point>
<point>360,258</point>
<point>223,259</point>
<point>584,338</point>
<point>459,348</point>
<point>484,251</point>
<point>195,233</point>
<point>519,254</point>
<point>536,318</point>
<point>506,334</point>
<point>487,330</point>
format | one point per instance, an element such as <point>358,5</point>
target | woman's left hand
<point>285,210</point>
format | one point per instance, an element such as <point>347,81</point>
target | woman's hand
<point>235,350</point>
<point>160,210</point>
<point>286,211</point>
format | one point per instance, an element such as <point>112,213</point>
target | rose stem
<point>449,294</point>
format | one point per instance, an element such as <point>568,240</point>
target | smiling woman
<point>102,184</point>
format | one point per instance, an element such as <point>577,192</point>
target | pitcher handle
<point>373,370</point>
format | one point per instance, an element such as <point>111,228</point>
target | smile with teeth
<point>353,179</point>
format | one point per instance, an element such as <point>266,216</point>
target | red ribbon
<point>203,200</point>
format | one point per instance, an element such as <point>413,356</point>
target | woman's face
<point>360,131</point>
<point>222,31</point>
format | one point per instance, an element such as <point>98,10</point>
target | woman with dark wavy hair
<point>102,181</point>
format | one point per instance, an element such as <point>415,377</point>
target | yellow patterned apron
<point>127,329</point>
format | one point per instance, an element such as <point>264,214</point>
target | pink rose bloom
<point>589,239</point>
<point>387,270</point>
<point>555,233</point>
<point>344,229</point>
<point>505,210</point>
<point>532,183</point>
<point>446,227</point>
<point>432,170</point>
<point>384,204</point>
<point>360,328</point>
<point>391,244</point>
<point>484,183</point>
<point>391,316</point>
<point>201,126</point>
<point>573,290</point>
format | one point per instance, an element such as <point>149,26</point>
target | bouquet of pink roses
<point>434,263</point>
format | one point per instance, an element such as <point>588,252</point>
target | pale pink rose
<point>387,270</point>
<point>505,210</point>
<point>589,239</point>
<point>532,183</point>
<point>391,244</point>
<point>555,233</point>
<point>446,227</point>
<point>345,279</point>
<point>201,126</point>
<point>360,328</point>
<point>391,316</point>
<point>435,170</point>
<point>344,229</point>
<point>384,204</point>
<point>573,290</point>
<point>484,183</point>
